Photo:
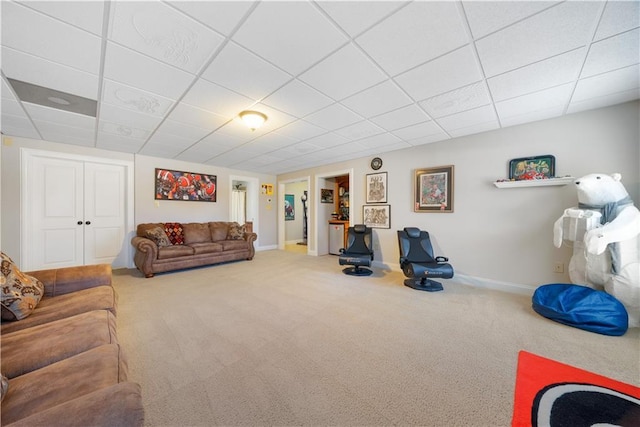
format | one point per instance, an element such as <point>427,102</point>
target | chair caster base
<point>428,285</point>
<point>353,271</point>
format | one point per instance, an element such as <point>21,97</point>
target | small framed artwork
<point>187,186</point>
<point>289,207</point>
<point>377,187</point>
<point>326,195</point>
<point>528,168</point>
<point>434,189</point>
<point>377,216</point>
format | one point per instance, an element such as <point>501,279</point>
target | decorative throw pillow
<point>4,387</point>
<point>174,232</point>
<point>236,231</point>
<point>20,293</point>
<point>158,235</point>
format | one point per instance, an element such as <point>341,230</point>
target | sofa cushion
<point>63,381</point>
<point>174,232</point>
<point>236,231</point>
<point>218,230</point>
<point>196,233</point>
<point>158,236</point>
<point>20,292</point>
<point>33,348</point>
<point>206,248</point>
<point>174,251</point>
<point>67,305</point>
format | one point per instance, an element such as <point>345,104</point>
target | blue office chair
<point>418,263</point>
<point>358,252</point>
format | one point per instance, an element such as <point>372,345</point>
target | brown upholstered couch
<point>64,363</point>
<point>204,244</point>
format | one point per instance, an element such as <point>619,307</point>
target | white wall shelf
<point>535,182</point>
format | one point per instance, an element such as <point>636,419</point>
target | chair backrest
<point>415,245</point>
<point>359,240</point>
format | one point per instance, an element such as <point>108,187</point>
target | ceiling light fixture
<point>253,119</point>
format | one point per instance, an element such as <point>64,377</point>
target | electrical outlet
<point>558,267</point>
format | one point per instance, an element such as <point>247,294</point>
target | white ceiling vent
<point>52,98</point>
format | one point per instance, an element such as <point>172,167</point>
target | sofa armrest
<point>60,281</point>
<point>146,254</point>
<point>250,238</point>
<point>117,405</point>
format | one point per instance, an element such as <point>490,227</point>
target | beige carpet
<point>287,339</point>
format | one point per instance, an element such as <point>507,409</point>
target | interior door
<point>55,222</point>
<point>104,213</point>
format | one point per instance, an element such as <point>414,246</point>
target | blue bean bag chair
<point>581,307</point>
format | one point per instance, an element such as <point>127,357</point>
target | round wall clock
<point>376,163</point>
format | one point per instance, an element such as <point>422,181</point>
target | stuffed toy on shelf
<point>605,231</point>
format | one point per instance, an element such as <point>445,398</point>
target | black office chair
<point>358,252</point>
<point>418,263</point>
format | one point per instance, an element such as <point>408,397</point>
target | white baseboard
<point>266,248</point>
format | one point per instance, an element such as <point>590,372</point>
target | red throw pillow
<point>174,232</point>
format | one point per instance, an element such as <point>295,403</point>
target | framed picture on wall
<point>434,189</point>
<point>289,207</point>
<point>186,186</point>
<point>326,195</point>
<point>377,187</point>
<point>377,216</point>
<point>537,167</point>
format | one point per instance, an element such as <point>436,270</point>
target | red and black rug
<point>550,393</point>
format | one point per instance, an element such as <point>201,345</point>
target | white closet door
<point>55,229</point>
<point>105,213</point>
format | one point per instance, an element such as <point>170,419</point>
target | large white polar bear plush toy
<point>609,254</point>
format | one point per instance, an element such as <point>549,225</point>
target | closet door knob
<point>79,222</point>
<point>88,222</point>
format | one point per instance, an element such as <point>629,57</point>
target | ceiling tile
<point>360,130</point>
<point>114,142</point>
<point>473,129</point>
<point>18,126</point>
<point>298,99</point>
<point>377,100</point>
<point>604,101</point>
<point>382,140</point>
<point>402,117</point>
<point>216,99</point>
<point>240,70</point>
<point>45,114</point>
<point>55,131</point>
<point>541,75</point>
<point>541,100</point>
<point>440,136</point>
<point>356,16</point>
<point>7,91</point>
<point>415,131</point>
<point>127,117</point>
<point>327,140</point>
<point>163,33</point>
<point>333,117</point>
<point>292,35</point>
<point>488,16</point>
<point>608,83</point>
<point>343,73</point>
<point>41,72</point>
<point>172,127</point>
<point>557,30</point>
<point>394,42</point>
<point>468,118</point>
<point>543,114</point>
<point>12,107</point>
<point>37,34</point>
<point>222,16</point>
<point>613,53</point>
<point>123,130</point>
<point>131,98</point>
<point>87,15</point>
<point>300,129</point>
<point>451,71</point>
<point>618,16</point>
<point>462,99</point>
<point>131,68</point>
<point>197,117</point>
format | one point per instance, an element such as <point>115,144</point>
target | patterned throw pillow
<point>158,235</point>
<point>4,387</point>
<point>174,232</point>
<point>236,231</point>
<point>20,293</point>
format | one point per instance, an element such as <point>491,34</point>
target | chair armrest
<point>60,281</point>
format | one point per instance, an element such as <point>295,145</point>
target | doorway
<point>325,210</point>
<point>245,193</point>
<point>294,215</point>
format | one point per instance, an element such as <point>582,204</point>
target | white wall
<point>501,236</point>
<point>293,230</point>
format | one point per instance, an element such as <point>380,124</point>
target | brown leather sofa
<point>204,243</point>
<point>64,363</point>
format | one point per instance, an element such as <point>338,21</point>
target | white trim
<point>27,153</point>
<point>266,248</point>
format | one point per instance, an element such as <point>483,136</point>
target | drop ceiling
<point>337,79</point>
